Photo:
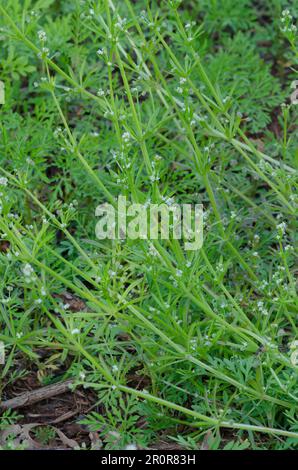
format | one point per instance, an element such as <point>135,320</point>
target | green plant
<point>45,434</point>
<point>126,98</point>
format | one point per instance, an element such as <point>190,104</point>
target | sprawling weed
<point>161,102</point>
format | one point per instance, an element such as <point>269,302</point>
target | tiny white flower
<point>45,50</point>
<point>126,136</point>
<point>154,178</point>
<point>100,92</point>
<point>75,331</point>
<point>282,227</point>
<point>28,270</point>
<point>42,35</point>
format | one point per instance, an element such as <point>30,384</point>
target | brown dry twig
<point>34,396</point>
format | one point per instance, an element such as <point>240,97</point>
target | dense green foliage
<point>184,100</point>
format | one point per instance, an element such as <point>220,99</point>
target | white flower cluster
<point>220,267</point>
<point>120,24</point>
<point>261,308</point>
<point>75,331</point>
<point>44,52</point>
<point>3,181</point>
<point>101,92</point>
<point>28,272</point>
<point>126,136</point>
<point>281,228</point>
<point>42,36</point>
<point>154,177</point>
<point>286,20</point>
